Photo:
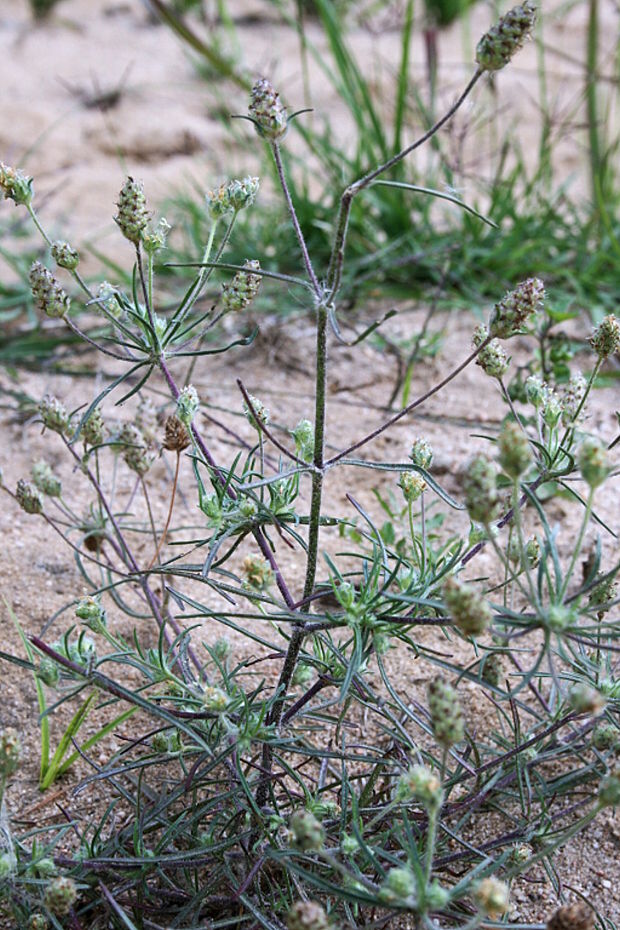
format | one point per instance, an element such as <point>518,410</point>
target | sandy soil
<point>164,131</point>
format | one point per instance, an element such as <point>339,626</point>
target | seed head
<point>28,497</point>
<point>135,450</point>
<point>516,307</point>
<point>571,400</point>
<point>492,897</point>
<point>306,831</point>
<point>231,197</point>
<point>10,750</point>
<point>49,296</point>
<point>45,480</point>
<point>515,454</point>
<point>239,293</point>
<point>15,185</point>
<point>412,485</point>
<point>267,111</point>
<point>420,784</point>
<point>132,217</point>
<point>176,437</point>
<point>480,489</point>
<point>593,462</point>
<point>65,255</point>
<point>60,896</point>
<point>576,916</point>
<point>492,358</point>
<point>399,885</point>
<point>501,42</point>
<point>468,609</point>
<point>421,453</point>
<point>446,714</point>
<point>187,405</point>
<point>92,428</point>
<point>605,340</point>
<point>307,915</point>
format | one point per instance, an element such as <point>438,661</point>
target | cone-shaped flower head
<point>502,41</point>
<point>50,297</point>
<point>267,110</point>
<point>239,293</point>
<point>516,307</point>
<point>132,216</point>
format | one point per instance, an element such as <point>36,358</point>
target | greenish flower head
<point>307,834</point>
<point>535,390</point>
<point>605,340</point>
<point>480,488</point>
<point>467,608</point>
<point>154,237</point>
<point>260,417</point>
<point>45,480</point>
<point>399,886</point>
<point>303,434</point>
<point>513,311</point>
<point>49,296</point>
<point>15,185</point>
<point>92,428</point>
<point>446,714</point>
<point>497,46</point>
<point>267,111</point>
<point>593,462</point>
<point>492,358</point>
<point>412,485</point>
<point>231,197</point>
<point>421,453</point>
<point>609,789</point>
<point>135,451</point>
<point>187,405</point>
<point>65,255</point>
<point>132,217</point>
<point>515,454</point>
<point>90,611</point>
<point>258,573</point>
<point>28,497</point>
<point>420,784</point>
<point>239,293</point>
<point>214,699</point>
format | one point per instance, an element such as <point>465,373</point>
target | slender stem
<point>164,532</point>
<point>416,403</point>
<point>293,215</point>
<point>334,273</point>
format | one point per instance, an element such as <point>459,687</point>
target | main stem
<point>299,631</point>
